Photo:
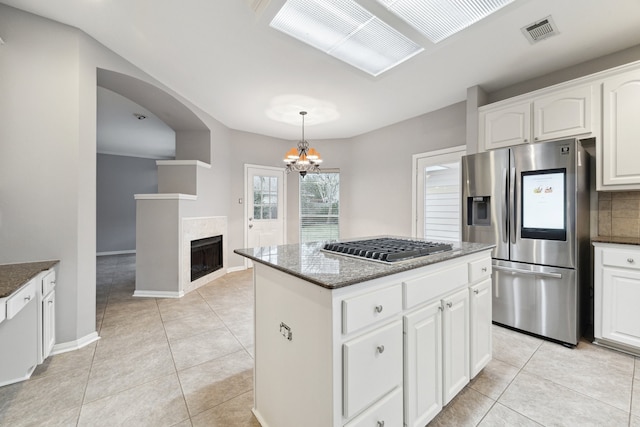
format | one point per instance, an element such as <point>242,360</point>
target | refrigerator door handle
<point>528,272</point>
<point>512,204</point>
<point>505,225</point>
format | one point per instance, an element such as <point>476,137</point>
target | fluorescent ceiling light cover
<point>439,19</point>
<point>345,30</point>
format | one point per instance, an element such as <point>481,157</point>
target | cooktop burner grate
<point>387,249</point>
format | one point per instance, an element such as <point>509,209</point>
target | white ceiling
<point>223,56</point>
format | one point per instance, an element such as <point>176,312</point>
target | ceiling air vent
<point>540,30</point>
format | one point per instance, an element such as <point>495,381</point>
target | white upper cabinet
<point>506,126</point>
<point>619,149</point>
<point>555,115</point>
<point>563,114</point>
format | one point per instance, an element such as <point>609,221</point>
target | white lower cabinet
<point>617,292</point>
<point>436,356</point>
<point>372,367</point>
<point>423,364</point>
<point>387,352</point>
<point>480,314</point>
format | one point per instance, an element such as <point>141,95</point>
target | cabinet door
<point>372,367</point>
<point>505,126</point>
<point>455,339</point>
<point>48,324</point>
<point>563,114</point>
<point>423,365</point>
<point>620,149</point>
<point>480,335</point>
<point>620,315</point>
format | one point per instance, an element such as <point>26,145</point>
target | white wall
<point>377,181</point>
<point>48,157</point>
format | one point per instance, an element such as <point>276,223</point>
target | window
<point>319,206</point>
<point>265,197</point>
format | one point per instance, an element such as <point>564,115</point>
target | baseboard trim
<point>236,269</point>
<point>158,294</point>
<point>75,345</point>
<point>131,251</point>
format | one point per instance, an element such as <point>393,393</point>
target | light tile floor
<point>188,362</point>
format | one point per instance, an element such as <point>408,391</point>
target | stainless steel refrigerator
<point>532,201</point>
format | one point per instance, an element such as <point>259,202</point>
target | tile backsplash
<point>619,214</point>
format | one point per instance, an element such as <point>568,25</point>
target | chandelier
<point>302,159</point>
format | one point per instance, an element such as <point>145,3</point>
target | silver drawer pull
<point>475,291</point>
<point>380,424</point>
<point>27,298</point>
<point>379,308</point>
<point>380,349</point>
<point>449,304</point>
<point>484,269</point>
<point>630,260</point>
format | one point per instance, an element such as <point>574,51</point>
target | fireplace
<point>206,256</point>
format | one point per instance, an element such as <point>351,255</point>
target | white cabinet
<point>390,351</point>
<point>480,341</point>
<point>617,292</point>
<point>619,149</point>
<point>436,356</point>
<point>47,314</point>
<point>565,113</point>
<point>423,364</point>
<point>455,344</point>
<point>444,347</point>
<point>505,126</point>
<point>372,367</point>
<point>556,115</point>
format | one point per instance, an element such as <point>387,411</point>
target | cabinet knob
<point>50,302</point>
<point>630,260</point>
<point>475,291</point>
<point>380,349</point>
<point>27,298</point>
<point>449,304</point>
<point>379,308</point>
<point>484,269</point>
<point>526,140</point>
<point>380,424</point>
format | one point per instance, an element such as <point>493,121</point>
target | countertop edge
<point>634,241</point>
<point>14,275</point>
<point>393,269</point>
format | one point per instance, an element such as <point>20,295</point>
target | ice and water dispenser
<point>479,210</point>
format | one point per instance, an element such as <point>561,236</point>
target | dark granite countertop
<point>332,271</point>
<point>614,239</point>
<point>13,276</point>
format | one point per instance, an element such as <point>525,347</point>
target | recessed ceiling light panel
<point>347,31</point>
<point>439,19</point>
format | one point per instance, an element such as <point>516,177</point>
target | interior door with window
<point>265,206</point>
<point>437,194</point>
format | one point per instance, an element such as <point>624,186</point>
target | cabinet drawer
<point>386,412</point>
<point>479,269</point>
<point>48,282</point>
<point>431,286</point>
<point>363,310</point>
<point>372,367</point>
<point>621,258</point>
<point>19,299</point>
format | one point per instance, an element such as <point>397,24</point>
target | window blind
<point>320,207</point>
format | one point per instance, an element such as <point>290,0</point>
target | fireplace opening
<point>206,256</point>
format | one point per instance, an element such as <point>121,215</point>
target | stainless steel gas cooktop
<point>387,249</point>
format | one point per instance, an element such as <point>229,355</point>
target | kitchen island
<point>344,341</point>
